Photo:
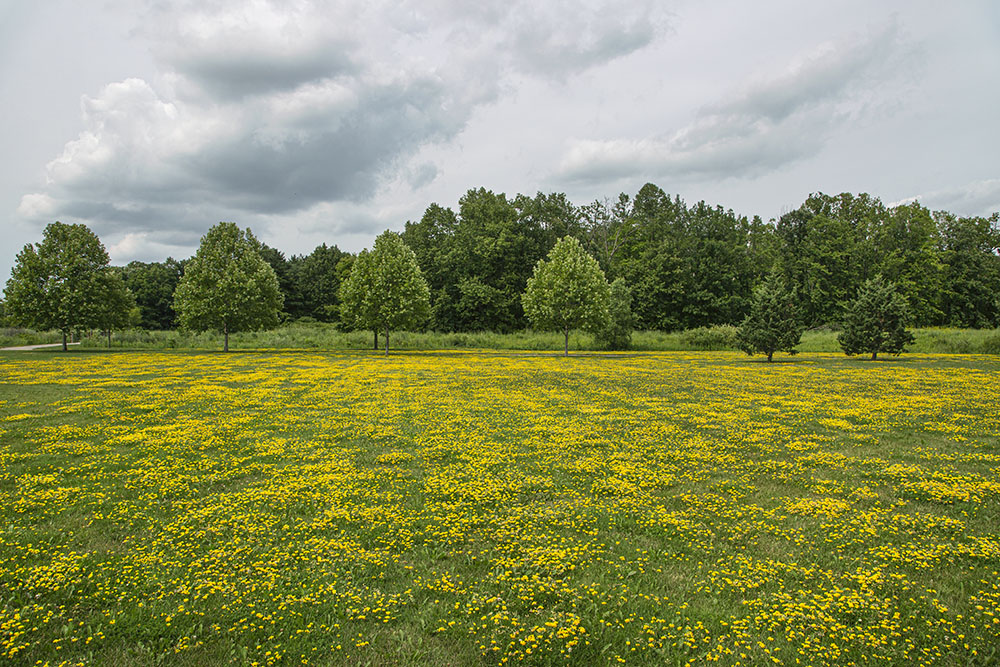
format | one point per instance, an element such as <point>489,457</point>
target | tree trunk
<point>225,345</point>
<point>387,341</point>
<point>109,339</point>
<point>769,355</point>
<point>376,339</point>
<point>566,342</point>
<point>65,348</point>
<point>874,355</point>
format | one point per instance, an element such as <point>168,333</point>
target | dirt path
<point>28,348</point>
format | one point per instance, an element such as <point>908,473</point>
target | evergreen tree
<point>228,286</point>
<point>875,321</point>
<point>772,324</point>
<point>568,290</point>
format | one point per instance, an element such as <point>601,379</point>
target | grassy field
<point>316,335</point>
<point>478,509</point>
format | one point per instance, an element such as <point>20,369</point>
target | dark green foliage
<point>478,262</point>
<point>876,321</point>
<point>115,304</point>
<point>317,282</point>
<point>908,240</point>
<point>617,335</point>
<point>772,324</point>
<point>687,266</point>
<point>65,283</point>
<point>971,270</point>
<point>284,272</point>
<point>153,285</point>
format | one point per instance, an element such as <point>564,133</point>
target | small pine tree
<point>617,335</point>
<point>876,321</point>
<point>772,324</point>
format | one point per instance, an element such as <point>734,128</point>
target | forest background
<point>688,266</point>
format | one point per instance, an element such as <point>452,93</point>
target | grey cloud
<point>972,199</point>
<point>421,175</point>
<point>770,125</point>
<point>338,162</point>
<point>568,40</point>
<point>273,108</point>
<point>233,75</point>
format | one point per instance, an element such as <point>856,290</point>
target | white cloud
<point>36,206</point>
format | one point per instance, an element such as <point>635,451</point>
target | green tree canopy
<point>875,321</point>
<point>60,282</point>
<point>115,304</point>
<point>617,334</point>
<point>567,291</point>
<point>772,324</point>
<point>227,285</point>
<point>385,290</point>
<point>153,285</point>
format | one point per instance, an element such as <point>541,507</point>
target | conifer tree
<point>875,321</point>
<point>772,324</point>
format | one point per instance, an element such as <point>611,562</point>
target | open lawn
<point>491,508</point>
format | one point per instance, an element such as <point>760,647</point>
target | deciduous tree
<point>567,291</point>
<point>227,285</point>
<point>385,289</point>
<point>60,282</point>
<point>617,335</point>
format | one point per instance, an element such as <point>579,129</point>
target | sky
<point>329,122</point>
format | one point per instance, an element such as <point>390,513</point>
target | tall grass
<point>15,337</point>
<point>325,336</point>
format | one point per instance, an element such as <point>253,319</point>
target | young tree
<point>385,289</point>
<point>228,286</point>
<point>59,283</point>
<point>115,304</point>
<point>772,324</point>
<point>875,322</point>
<point>567,291</point>
<point>617,335</point>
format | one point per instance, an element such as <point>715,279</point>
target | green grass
<point>463,508</point>
<point>322,336</point>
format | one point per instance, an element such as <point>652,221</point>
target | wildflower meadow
<point>465,508</point>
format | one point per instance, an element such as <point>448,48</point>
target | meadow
<point>468,508</point>
<point>320,336</point>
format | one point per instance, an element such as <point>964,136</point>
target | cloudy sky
<point>322,121</point>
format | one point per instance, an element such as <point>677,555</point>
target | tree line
<point>683,266</point>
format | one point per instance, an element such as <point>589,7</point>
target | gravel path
<point>26,348</point>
